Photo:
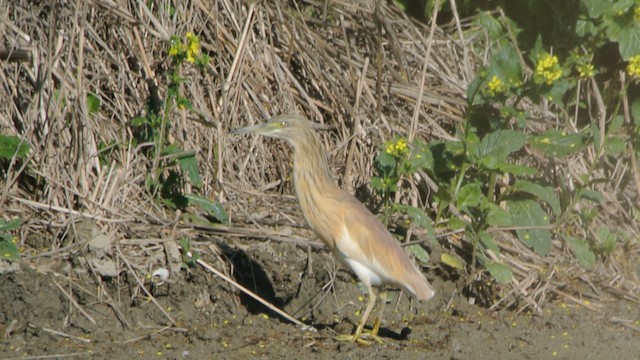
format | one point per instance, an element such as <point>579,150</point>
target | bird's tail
<point>420,286</point>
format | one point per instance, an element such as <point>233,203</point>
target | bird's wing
<point>370,244</point>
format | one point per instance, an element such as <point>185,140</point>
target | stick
<point>299,323</point>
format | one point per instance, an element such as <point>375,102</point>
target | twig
<point>75,303</point>
<point>153,299</point>
<point>53,356</point>
<point>60,333</point>
<point>423,77</point>
<point>146,336</point>
<point>300,324</point>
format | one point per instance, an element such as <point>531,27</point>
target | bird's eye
<point>283,124</point>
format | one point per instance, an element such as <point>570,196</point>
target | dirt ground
<point>58,309</point>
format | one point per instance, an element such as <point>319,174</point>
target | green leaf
<point>214,209</point>
<point>606,240</point>
<point>537,50</point>
<point>491,24</point>
<point>419,252</point>
<point>452,261</point>
<point>497,216</point>
<point>468,196</point>
<point>544,193</point>
<point>622,5</point>
<point>139,121</point>
<point>419,158</point>
<point>8,249</point>
<point>184,103</point>
<point>534,220</point>
<point>503,66</point>
<point>456,224</point>
<point>93,104</point>
<point>585,28</point>
<point>187,162</point>
<point>557,91</point>
<point>616,124</point>
<point>10,225</point>
<point>580,249</point>
<point>556,143</point>
<point>473,91</point>
<point>377,183</point>
<point>614,145</point>
<point>597,8</point>
<point>11,145</point>
<point>385,160</point>
<point>501,272</point>
<point>591,195</point>
<point>488,243</point>
<point>443,197</point>
<point>494,148</point>
<point>629,41</point>
<point>189,165</point>
<point>418,217</point>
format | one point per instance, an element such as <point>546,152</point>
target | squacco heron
<point>356,237</point>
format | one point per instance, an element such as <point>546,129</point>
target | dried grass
<point>353,67</point>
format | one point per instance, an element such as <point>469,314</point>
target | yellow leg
<point>358,335</point>
<point>376,324</point>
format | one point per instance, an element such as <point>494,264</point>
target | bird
<point>353,234</point>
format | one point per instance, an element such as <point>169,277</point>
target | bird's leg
<point>358,335</point>
<point>376,324</point>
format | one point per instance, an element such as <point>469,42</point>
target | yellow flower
<point>401,145</point>
<point>547,69</point>
<point>193,47</point>
<point>188,49</point>
<point>397,148</point>
<point>496,86</point>
<point>176,47</point>
<point>585,70</point>
<point>633,68</point>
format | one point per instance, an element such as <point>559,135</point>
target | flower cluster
<point>189,49</point>
<point>633,68</point>
<point>585,70</point>
<point>547,69</point>
<point>495,86</point>
<point>397,148</point>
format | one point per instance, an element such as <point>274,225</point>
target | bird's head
<point>292,128</point>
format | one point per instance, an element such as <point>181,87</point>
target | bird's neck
<point>311,171</point>
<point>314,184</point>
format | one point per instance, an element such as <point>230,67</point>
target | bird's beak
<point>256,129</point>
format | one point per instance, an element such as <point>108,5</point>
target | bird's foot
<point>362,339</point>
<point>362,336</point>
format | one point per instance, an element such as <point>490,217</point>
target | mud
<point>58,308</point>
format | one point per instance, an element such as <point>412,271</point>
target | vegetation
<point>502,171</point>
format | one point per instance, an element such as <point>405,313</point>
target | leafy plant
<point>11,146</point>
<point>498,133</point>
<point>171,164</point>
<point>189,257</point>
<point>8,249</point>
<point>393,163</point>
